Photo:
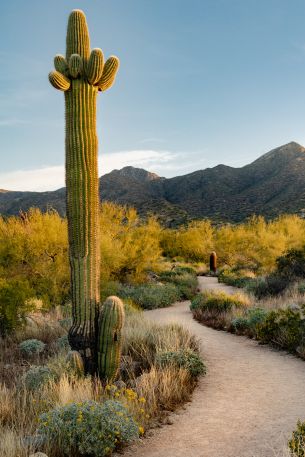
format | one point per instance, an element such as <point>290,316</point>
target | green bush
<point>234,278</point>
<point>151,296</point>
<point>297,442</point>
<point>240,324</point>
<point>88,428</point>
<point>184,278</point>
<point>215,308</point>
<point>301,288</point>
<point>291,265</point>
<point>63,343</point>
<point>217,301</point>
<point>31,347</point>
<point>248,323</point>
<point>14,304</point>
<point>65,323</point>
<point>283,328</point>
<point>37,377</point>
<point>109,288</point>
<point>272,285</point>
<point>186,359</point>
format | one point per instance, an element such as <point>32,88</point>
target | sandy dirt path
<point>246,406</point>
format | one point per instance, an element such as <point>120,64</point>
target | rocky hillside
<point>272,185</point>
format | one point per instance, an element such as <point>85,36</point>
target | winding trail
<point>246,406</point>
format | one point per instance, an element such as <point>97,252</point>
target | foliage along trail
<point>246,406</point>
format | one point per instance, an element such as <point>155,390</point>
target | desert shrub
<point>240,324</point>
<point>249,321</point>
<point>271,285</point>
<point>215,308</point>
<point>14,303</point>
<point>31,347</point>
<point>289,268</point>
<point>37,376</point>
<point>151,296</point>
<point>292,264</point>
<point>297,442</point>
<point>88,428</point>
<point>65,323</point>
<point>235,278</point>
<point>301,288</point>
<point>63,343</point>
<point>35,249</point>
<point>190,243</point>
<point>109,288</point>
<point>185,280</point>
<point>186,359</point>
<point>218,301</point>
<point>283,327</point>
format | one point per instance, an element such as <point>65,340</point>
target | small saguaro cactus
<point>75,362</point>
<point>111,321</point>
<point>80,75</point>
<point>213,262</point>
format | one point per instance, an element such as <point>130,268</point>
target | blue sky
<point>201,82</point>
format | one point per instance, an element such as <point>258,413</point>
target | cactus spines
<point>213,262</point>
<point>75,361</point>
<point>109,338</point>
<point>82,185</point>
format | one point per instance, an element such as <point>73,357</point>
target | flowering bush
<point>88,428</point>
<point>31,347</point>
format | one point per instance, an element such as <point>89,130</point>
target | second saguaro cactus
<point>213,262</point>
<point>80,75</point>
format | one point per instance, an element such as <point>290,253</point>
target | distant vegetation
<point>34,259</point>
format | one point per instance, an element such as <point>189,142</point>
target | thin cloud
<point>51,178</point>
<point>164,163</point>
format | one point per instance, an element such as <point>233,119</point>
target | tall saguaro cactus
<point>81,74</point>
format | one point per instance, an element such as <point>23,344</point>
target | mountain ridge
<point>271,185</point>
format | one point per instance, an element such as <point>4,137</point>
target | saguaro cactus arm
<point>109,73</point>
<point>59,81</point>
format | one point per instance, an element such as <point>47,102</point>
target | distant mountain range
<point>271,185</point>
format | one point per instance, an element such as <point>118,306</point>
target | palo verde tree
<point>81,75</point>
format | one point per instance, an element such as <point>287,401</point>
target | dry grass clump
<point>164,389</point>
<point>144,339</point>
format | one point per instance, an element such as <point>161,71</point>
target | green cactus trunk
<point>81,75</point>
<point>83,215</point>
